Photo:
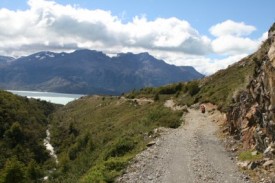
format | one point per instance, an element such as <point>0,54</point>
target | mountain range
<point>89,72</point>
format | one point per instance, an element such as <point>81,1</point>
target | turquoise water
<point>57,98</point>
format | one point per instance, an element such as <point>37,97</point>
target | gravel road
<point>191,153</point>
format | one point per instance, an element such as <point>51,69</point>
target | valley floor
<point>190,154</point>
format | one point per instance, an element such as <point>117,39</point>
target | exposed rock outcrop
<point>251,117</point>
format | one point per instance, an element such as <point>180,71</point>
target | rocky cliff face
<point>251,118</point>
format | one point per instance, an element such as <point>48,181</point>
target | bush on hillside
<point>192,88</point>
<point>121,147</point>
<point>14,171</point>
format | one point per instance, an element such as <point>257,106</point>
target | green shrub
<point>113,168</point>
<point>247,156</point>
<point>34,172</point>
<point>116,164</point>
<point>14,135</point>
<point>171,121</point>
<point>121,147</point>
<point>14,171</point>
<point>156,97</point>
<point>96,175</point>
<point>107,171</point>
<point>193,88</point>
<point>81,143</point>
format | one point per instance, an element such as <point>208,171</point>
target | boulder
<point>151,143</point>
<point>252,165</point>
<point>269,152</point>
<point>268,163</point>
<point>271,55</point>
<point>243,164</point>
<point>254,153</point>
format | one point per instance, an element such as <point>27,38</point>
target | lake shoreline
<point>56,98</point>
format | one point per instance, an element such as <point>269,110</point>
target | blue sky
<point>201,14</point>
<point>213,33</point>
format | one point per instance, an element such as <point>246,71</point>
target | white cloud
<point>230,27</point>
<point>232,45</point>
<point>231,38</point>
<point>202,64</point>
<point>47,25</point>
<point>51,25</point>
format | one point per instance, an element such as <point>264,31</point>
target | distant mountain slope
<point>4,60</point>
<point>191,70</point>
<point>87,71</point>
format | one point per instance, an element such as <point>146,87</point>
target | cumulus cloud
<point>47,25</point>
<point>56,26</point>
<point>233,45</point>
<point>231,38</point>
<point>230,27</point>
<point>203,64</point>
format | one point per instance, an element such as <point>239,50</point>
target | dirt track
<point>191,153</point>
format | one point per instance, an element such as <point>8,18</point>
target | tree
<point>14,134</point>
<point>193,88</point>
<point>13,171</point>
<point>34,172</point>
<point>156,97</point>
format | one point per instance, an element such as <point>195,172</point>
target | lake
<point>57,98</point>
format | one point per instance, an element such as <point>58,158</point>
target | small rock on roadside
<point>268,163</point>
<point>151,143</point>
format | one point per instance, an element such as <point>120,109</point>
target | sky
<point>206,34</point>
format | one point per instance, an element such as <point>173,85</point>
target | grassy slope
<point>96,136</point>
<point>23,124</point>
<point>222,87</point>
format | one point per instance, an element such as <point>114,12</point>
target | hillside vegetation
<point>95,137</point>
<point>23,124</point>
<point>223,87</point>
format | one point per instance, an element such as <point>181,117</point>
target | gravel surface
<point>191,153</point>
